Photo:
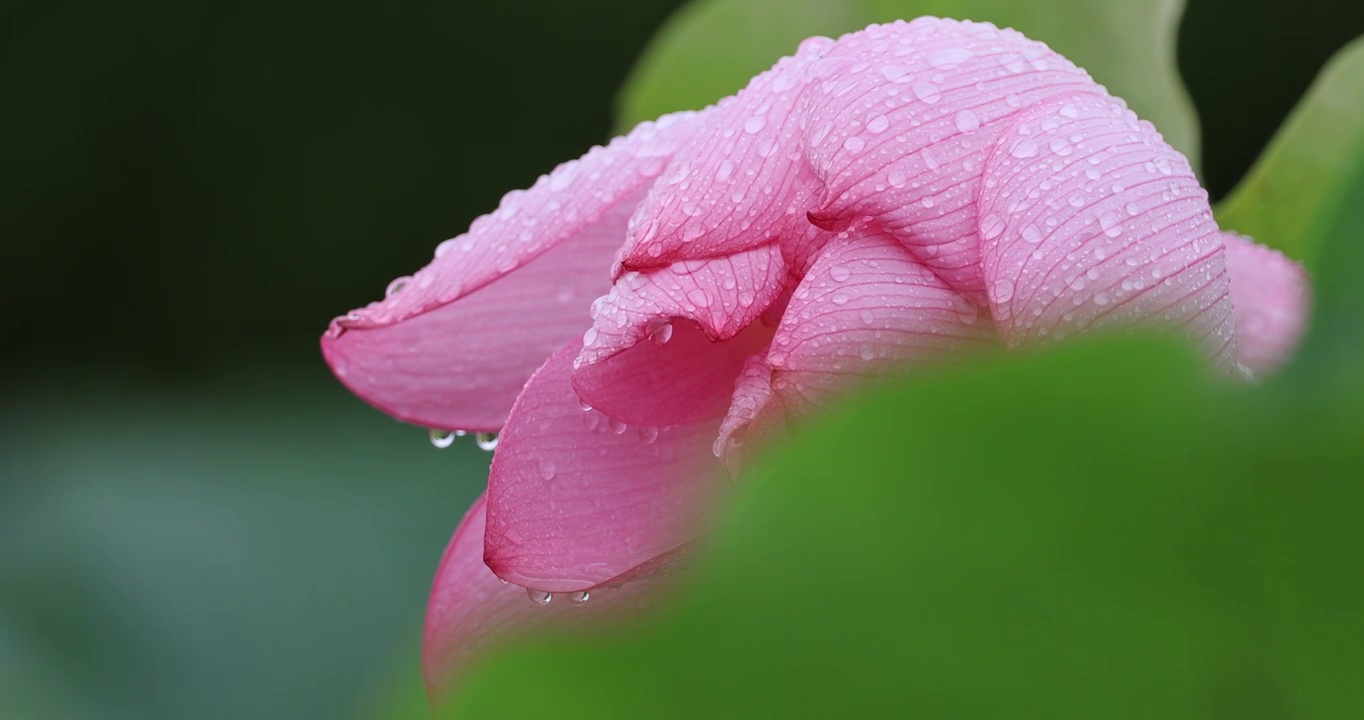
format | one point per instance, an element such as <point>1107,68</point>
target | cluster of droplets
<point>442,439</point>
<point>542,598</point>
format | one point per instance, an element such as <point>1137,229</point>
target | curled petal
<point>741,184</point>
<point>1273,299</point>
<point>451,346</point>
<point>470,610</point>
<point>577,499</point>
<point>868,307</point>
<point>755,416</point>
<point>666,344</point>
<point>900,130</point>
<point>1089,220</point>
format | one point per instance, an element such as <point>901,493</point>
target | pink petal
<point>1273,300</point>
<point>576,499</point>
<point>451,346</point>
<point>902,129</point>
<point>1089,220</point>
<point>741,184</point>
<point>868,307</point>
<point>756,416</point>
<point>470,610</point>
<point>667,343</point>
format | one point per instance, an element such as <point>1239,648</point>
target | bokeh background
<point>195,519</point>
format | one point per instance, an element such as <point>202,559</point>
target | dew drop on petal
<point>547,469</point>
<point>949,58</point>
<point>1004,290</point>
<point>396,286</point>
<point>878,125</point>
<point>967,121</point>
<point>896,178</point>
<point>927,92</point>
<point>755,124</point>
<point>991,226</point>
<point>660,332</point>
<point>1024,149</point>
<point>1032,233</point>
<point>1110,224</point>
<point>839,273</point>
<point>854,144</point>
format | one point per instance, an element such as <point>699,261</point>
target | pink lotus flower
<point>897,197</point>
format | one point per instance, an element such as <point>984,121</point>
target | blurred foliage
<point>1095,532</point>
<point>260,550</point>
<point>713,47</point>
<point>1302,177</point>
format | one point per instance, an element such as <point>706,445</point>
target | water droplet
<point>539,597</point>
<point>648,434</point>
<point>1132,209</point>
<point>1024,149</point>
<point>589,337</point>
<point>547,469</point>
<point>840,299</point>
<point>866,352</point>
<point>878,125</point>
<point>1004,290</point>
<point>442,438</point>
<point>949,58</point>
<point>579,598</point>
<point>754,124</point>
<point>896,178</point>
<point>1032,233</point>
<point>486,441</point>
<point>991,226</point>
<point>396,286</point>
<point>660,331</point>
<point>854,144</point>
<point>726,169</point>
<point>967,121</point>
<point>699,298</point>
<point>1110,224</point>
<point>1069,111</point>
<point>839,273</point>
<point>927,92</point>
<point>967,311</point>
<point>1101,299</point>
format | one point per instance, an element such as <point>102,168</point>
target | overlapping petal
<point>577,499</point>
<point>901,128</point>
<point>471,610</point>
<point>1089,220</point>
<point>742,184</point>
<point>451,346</point>
<point>1273,298</point>
<point>666,343</point>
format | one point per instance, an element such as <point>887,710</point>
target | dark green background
<point>195,520</point>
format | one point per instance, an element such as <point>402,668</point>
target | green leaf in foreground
<point>711,48</point>
<point>1094,532</point>
<point>1294,191</point>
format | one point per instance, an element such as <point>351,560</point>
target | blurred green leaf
<point>711,48</point>
<point>262,548</point>
<point>1095,532</point>
<point>1294,191</point>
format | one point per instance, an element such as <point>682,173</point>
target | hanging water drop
<point>660,332</point>
<point>396,286</point>
<point>579,598</point>
<point>442,438</point>
<point>539,597</point>
<point>486,441</point>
